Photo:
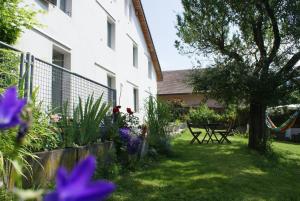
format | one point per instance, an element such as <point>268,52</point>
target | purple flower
<point>124,134</point>
<point>134,145</point>
<point>10,108</point>
<point>78,186</point>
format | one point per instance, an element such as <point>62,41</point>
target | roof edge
<point>139,10</point>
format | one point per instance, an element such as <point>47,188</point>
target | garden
<point>95,150</point>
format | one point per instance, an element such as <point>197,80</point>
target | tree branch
<point>290,64</point>
<point>277,38</point>
<point>257,33</point>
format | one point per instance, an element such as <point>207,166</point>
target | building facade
<point>107,41</point>
<point>174,87</point>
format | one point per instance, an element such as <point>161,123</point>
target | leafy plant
<point>14,19</point>
<point>84,126</point>
<point>9,69</point>
<point>203,115</point>
<point>158,118</point>
<point>41,135</point>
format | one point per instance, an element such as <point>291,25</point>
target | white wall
<point>84,36</point>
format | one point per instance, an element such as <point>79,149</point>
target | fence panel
<point>55,85</point>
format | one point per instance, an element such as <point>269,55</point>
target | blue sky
<point>161,17</point>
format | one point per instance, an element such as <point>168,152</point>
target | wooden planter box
<point>45,168</point>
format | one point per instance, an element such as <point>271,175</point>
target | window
<point>136,99</point>
<point>149,70</point>
<point>111,83</point>
<point>130,12</point>
<point>111,34</point>
<point>135,55</point>
<point>64,5</point>
<point>126,6</point>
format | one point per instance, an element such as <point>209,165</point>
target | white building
<point>107,41</point>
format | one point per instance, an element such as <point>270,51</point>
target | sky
<point>161,17</point>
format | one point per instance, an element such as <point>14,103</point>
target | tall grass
<point>158,118</point>
<point>82,127</point>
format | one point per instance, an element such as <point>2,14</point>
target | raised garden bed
<point>44,169</point>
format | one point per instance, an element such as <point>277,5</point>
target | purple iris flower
<point>78,186</point>
<point>134,145</point>
<point>124,134</point>
<point>10,108</point>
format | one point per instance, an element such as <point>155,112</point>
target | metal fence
<point>55,85</point>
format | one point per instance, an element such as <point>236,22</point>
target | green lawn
<point>216,172</point>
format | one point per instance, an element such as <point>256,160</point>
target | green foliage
<point>203,115</point>
<point>107,166</point>
<point>14,18</point>
<point>158,118</point>
<point>41,135</point>
<point>83,127</point>
<point>178,109</point>
<point>9,69</point>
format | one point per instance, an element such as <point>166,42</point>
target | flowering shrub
<point>126,133</point>
<point>131,142</point>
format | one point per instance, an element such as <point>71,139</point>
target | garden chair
<point>195,134</point>
<point>225,132</point>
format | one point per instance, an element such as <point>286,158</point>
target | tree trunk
<point>257,130</point>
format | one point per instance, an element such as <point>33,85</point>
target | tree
<point>255,46</point>
<point>14,17</point>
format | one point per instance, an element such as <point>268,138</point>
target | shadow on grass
<point>213,172</point>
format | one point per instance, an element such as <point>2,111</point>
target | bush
<point>9,69</point>
<point>83,127</point>
<point>178,110</point>
<point>41,135</point>
<point>158,119</point>
<point>14,19</point>
<point>203,115</point>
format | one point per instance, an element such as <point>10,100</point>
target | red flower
<point>118,106</point>
<point>129,111</point>
<point>116,109</point>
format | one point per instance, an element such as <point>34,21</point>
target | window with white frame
<point>150,72</point>
<point>63,5</point>
<point>136,99</point>
<point>130,12</point>
<point>126,7</point>
<point>135,55</point>
<point>111,34</point>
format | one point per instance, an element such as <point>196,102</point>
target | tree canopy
<point>14,17</point>
<point>255,45</point>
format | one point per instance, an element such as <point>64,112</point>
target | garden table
<point>210,129</point>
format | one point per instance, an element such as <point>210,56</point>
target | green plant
<point>14,19</point>
<point>84,126</point>
<point>9,69</point>
<point>41,135</point>
<point>107,166</point>
<point>158,118</point>
<point>203,115</point>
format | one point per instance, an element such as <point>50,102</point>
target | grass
<point>216,172</point>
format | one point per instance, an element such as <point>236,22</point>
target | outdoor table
<point>210,129</point>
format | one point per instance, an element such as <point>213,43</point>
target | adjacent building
<point>174,87</point>
<point>107,41</point>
